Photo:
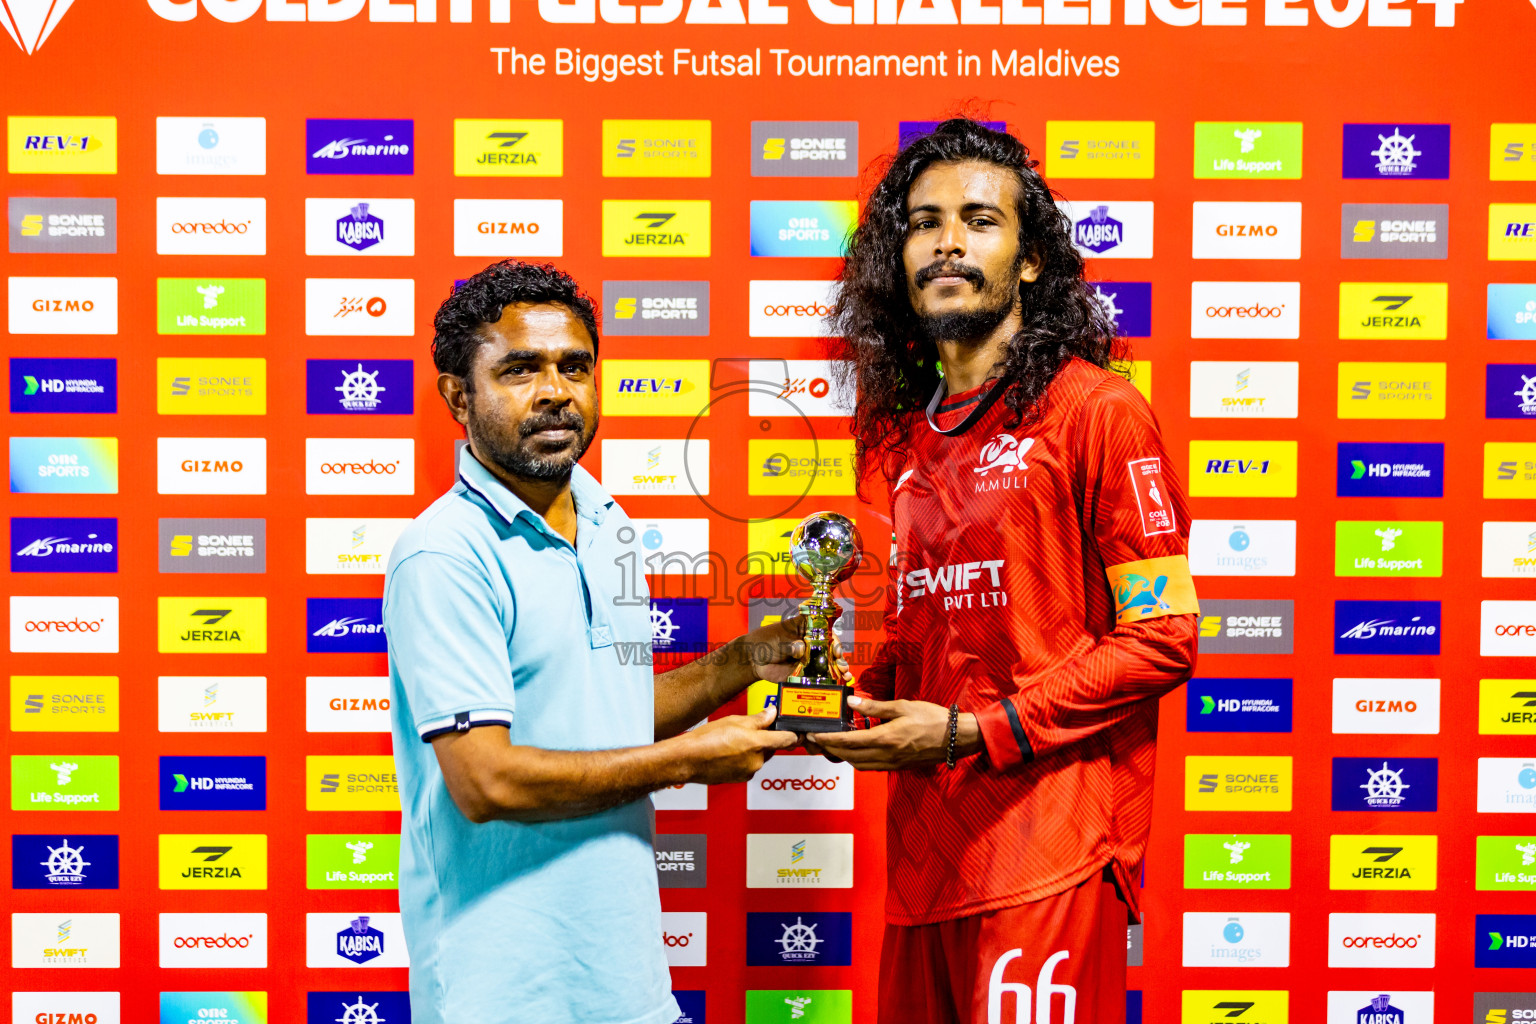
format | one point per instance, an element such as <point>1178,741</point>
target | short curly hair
<point>481,299</point>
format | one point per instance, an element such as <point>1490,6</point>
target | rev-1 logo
<point>955,582</point>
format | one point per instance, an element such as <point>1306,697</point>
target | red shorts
<point>1060,960</point>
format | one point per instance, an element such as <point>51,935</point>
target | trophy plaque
<point>825,549</point>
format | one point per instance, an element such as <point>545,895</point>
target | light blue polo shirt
<point>492,616</point>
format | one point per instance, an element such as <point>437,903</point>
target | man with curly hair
<point>1040,600</point>
<point>527,734</point>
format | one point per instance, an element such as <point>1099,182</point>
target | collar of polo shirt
<point>592,502</point>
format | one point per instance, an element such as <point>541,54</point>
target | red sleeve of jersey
<point>1135,517</point>
<point>878,680</point>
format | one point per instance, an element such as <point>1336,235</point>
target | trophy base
<point>807,706</point>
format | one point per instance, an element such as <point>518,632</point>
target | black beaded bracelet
<point>954,730</point>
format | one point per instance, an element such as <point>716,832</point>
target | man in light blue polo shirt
<point>528,728</point>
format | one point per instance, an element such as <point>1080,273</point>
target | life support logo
<point>1042,998</point>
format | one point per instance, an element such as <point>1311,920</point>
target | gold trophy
<point>825,548</point>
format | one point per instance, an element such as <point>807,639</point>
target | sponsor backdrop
<point>221,414</point>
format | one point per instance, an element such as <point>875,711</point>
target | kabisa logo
<point>360,146</point>
<point>63,545</point>
<point>345,624</point>
<point>678,227</point>
<point>805,149</point>
<point>1246,627</point>
<point>358,1008</point>
<point>58,862</point>
<point>508,148</point>
<point>1385,470</point>
<point>1397,152</point>
<point>1512,312</point>
<point>213,783</point>
<point>31,22</point>
<point>665,308</point>
<point>802,939</point>
<point>58,145</point>
<point>359,942</point>
<point>359,229</point>
<point>679,624</point>
<point>1247,149</point>
<point>50,225</point>
<point>1506,940</point>
<point>1511,392</point>
<point>64,385</point>
<point>1386,784</point>
<point>1379,1011</point>
<point>340,386</point>
<point>1098,231</point>
<point>1128,304</point>
<point>1386,627</point>
<point>1238,705</point>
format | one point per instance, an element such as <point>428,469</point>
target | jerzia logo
<point>31,22</point>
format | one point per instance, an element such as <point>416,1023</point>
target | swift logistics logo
<point>1394,231</point>
<point>1386,784</point>
<point>1511,391</point>
<point>1386,627</point>
<point>1376,310</point>
<point>65,940</point>
<point>1128,304</point>
<point>57,862</point>
<point>63,465</point>
<point>59,145</point>
<point>63,545</point>
<point>359,386</point>
<point>656,149</point>
<point>351,782</point>
<point>800,860</point>
<point>213,862</point>
<point>1110,229</point>
<point>1397,152</point>
<point>1505,940</point>
<point>350,547</point>
<point>802,227</point>
<point>661,227</point>
<point>1391,391</point>
<point>65,703</point>
<point>203,305</point>
<point>345,624</point>
<point>64,782</point>
<point>213,783</point>
<point>1512,231</point>
<point>212,625</point>
<point>353,146</point>
<point>1246,626</point>
<point>213,704</point>
<point>799,938</point>
<point>508,227</point>
<point>1232,861</point>
<point>805,149</point>
<point>1388,549</point>
<point>1386,470</point>
<point>213,545</point>
<point>58,225</point>
<point>656,308</point>
<point>1506,863</point>
<point>1238,783</point>
<point>209,386</point>
<point>1247,149</point>
<point>1238,705</point>
<point>64,385</point>
<point>1386,707</point>
<point>508,148</point>
<point>1242,469</point>
<point>352,861</point>
<point>1506,707</point>
<point>1100,149</point>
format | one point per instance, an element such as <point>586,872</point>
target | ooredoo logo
<point>67,625</point>
<point>1508,629</point>
<point>789,309</point>
<point>213,940</point>
<point>685,936</point>
<point>210,226</point>
<point>1381,940</point>
<point>341,465</point>
<point>801,782</point>
<point>1245,309</point>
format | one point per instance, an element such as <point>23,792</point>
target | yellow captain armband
<point>1151,588</point>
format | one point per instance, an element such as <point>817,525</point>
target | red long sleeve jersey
<point>1042,582</point>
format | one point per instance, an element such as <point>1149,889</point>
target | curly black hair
<point>480,300</point>
<point>887,368</point>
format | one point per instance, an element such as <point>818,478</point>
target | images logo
<point>352,861</point>
<point>655,387</point>
<point>673,227</point>
<point>64,782</point>
<point>360,227</point>
<point>1245,309</point>
<point>49,225</point>
<point>656,149</point>
<point>1231,861</point>
<point>1252,547</point>
<point>802,228</point>
<point>64,385</point>
<point>359,146</point>
<point>212,625</point>
<point>1100,149</point>
<point>1394,231</point>
<point>1391,391</point>
<point>57,862</point>
<point>1247,149</point>
<point>656,308</point>
<point>213,783</point>
<point>1247,231</point>
<point>64,625</point>
<point>62,305</point>
<point>794,309</point>
<point>1242,469</point>
<point>211,145</point>
<point>1246,627</point>
<point>1107,229</point>
<point>508,227</point>
<point>351,782</point>
<point>1506,940</point>
<point>1374,310</point>
<point>1238,705</point>
<point>1512,231</point>
<point>205,386</point>
<point>1128,304</point>
<point>511,149</point>
<point>1397,151</point>
<point>1391,470</point>
<point>200,305</point>
<point>64,703</point>
<point>359,465</point>
<point>338,624</point>
<point>682,860</point>
<point>360,306</point>
<point>805,149</point>
<point>63,545</point>
<point>1237,940</point>
<point>800,938</point>
<point>1506,785</point>
<point>359,386</point>
<point>1383,784</point>
<point>57,145</point>
<point>213,861</point>
<point>797,859</point>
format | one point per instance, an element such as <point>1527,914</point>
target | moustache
<point>942,269</point>
<point>565,419</point>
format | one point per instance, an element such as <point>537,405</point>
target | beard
<point>516,451</point>
<point>969,326</point>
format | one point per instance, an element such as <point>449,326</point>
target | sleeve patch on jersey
<point>1151,588</point>
<point>1151,496</point>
